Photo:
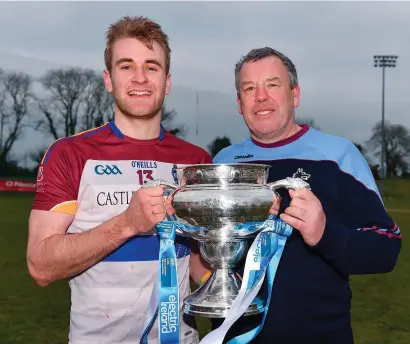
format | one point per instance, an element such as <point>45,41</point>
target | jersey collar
<point>119,134</point>
<point>284,142</point>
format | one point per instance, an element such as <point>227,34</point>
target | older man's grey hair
<point>261,53</point>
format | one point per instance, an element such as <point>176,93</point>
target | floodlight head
<point>385,61</point>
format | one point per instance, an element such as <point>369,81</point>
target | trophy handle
<point>288,183</point>
<point>170,188</point>
<point>158,182</point>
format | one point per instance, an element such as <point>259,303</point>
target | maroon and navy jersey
<point>92,176</point>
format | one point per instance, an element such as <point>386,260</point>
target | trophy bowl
<point>222,206</point>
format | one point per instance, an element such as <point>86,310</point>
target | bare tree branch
<point>63,106</point>
<point>15,101</point>
<point>3,114</point>
<point>98,104</point>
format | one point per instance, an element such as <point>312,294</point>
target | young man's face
<point>137,80</point>
<point>265,98</point>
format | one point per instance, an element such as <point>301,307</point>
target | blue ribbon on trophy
<point>263,255</point>
<point>164,301</point>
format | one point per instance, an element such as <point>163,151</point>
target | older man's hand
<point>305,214</point>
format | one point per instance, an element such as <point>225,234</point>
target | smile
<point>140,93</point>
<point>264,112</point>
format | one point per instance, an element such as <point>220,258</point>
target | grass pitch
<point>34,315</point>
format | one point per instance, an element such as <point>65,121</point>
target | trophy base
<point>255,307</point>
<point>215,297</point>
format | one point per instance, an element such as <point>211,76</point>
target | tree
<point>360,148</point>
<point>98,104</point>
<point>218,144</point>
<point>3,115</point>
<point>69,94</point>
<point>397,147</point>
<point>373,167</point>
<point>167,118</point>
<point>15,98</point>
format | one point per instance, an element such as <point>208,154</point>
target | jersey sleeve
<point>206,158</point>
<point>361,238</point>
<point>58,179</point>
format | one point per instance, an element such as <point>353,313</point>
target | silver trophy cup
<point>216,204</point>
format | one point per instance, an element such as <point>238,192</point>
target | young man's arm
<point>53,255</point>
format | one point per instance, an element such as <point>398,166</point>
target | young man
<point>91,222</point>
<point>341,227</point>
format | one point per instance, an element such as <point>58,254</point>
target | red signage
<point>17,185</point>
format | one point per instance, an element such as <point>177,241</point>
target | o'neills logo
<point>168,315</point>
<point>257,253</point>
<point>243,156</point>
<point>114,198</point>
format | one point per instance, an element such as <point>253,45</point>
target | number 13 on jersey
<point>144,176</point>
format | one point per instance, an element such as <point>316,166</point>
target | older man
<point>341,227</point>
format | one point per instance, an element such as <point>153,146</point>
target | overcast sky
<point>331,43</point>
